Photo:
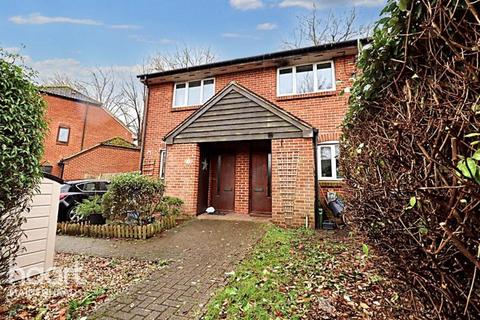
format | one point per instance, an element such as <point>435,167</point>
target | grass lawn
<point>302,274</point>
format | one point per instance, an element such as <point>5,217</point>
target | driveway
<point>200,252</point>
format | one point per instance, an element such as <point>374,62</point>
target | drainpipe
<point>84,127</point>
<point>62,165</point>
<point>316,205</point>
<point>146,94</point>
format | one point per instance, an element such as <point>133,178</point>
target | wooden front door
<point>223,198</point>
<point>260,188</point>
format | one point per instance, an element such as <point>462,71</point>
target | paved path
<point>201,252</point>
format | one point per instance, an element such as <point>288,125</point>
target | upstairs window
<point>63,134</point>
<point>193,93</point>
<point>328,168</point>
<point>306,78</point>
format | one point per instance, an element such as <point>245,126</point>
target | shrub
<point>22,129</point>
<point>170,206</point>
<point>410,145</point>
<point>89,206</point>
<point>132,194</point>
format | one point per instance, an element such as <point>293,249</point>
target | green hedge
<point>22,130</point>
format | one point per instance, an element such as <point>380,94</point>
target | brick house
<point>80,140</point>
<point>256,135</point>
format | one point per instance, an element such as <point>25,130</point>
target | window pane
<point>325,153</point>
<point>326,161</point>
<point>194,88</point>
<point>304,79</point>
<point>337,154</point>
<point>326,168</point>
<point>324,76</point>
<point>285,81</point>
<point>89,186</point>
<point>63,134</point>
<point>208,89</point>
<point>100,186</point>
<point>180,94</point>
<point>162,164</point>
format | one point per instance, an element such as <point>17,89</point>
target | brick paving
<point>201,252</point>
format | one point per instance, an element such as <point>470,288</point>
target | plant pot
<point>96,219</point>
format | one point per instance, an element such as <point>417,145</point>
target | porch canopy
<point>238,114</point>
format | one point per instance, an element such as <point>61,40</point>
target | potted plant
<point>91,210</point>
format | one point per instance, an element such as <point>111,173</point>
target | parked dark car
<point>73,193</point>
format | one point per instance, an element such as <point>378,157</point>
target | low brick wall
<point>102,161</point>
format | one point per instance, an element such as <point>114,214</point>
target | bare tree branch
<point>132,104</point>
<point>313,30</point>
<point>183,57</point>
<point>125,98</point>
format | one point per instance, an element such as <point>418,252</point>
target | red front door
<point>223,198</point>
<point>260,188</point>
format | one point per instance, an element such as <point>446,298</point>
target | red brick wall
<point>181,174</point>
<point>102,161</point>
<point>324,111</point>
<point>66,113</point>
<point>293,181</point>
<point>242,180</point>
<point>101,126</point>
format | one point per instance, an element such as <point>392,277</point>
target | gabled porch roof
<point>234,114</point>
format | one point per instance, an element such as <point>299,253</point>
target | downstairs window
<point>328,168</point>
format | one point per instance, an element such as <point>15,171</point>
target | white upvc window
<point>163,159</point>
<point>193,92</point>
<point>328,154</point>
<point>63,135</point>
<point>306,78</point>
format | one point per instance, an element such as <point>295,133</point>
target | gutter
<point>316,205</point>
<point>257,58</point>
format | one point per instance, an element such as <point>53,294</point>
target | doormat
<point>216,213</point>
<point>212,211</point>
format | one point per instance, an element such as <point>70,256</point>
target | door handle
<point>258,189</point>
<point>228,189</point>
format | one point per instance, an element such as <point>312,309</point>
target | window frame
<point>333,163</point>
<point>315,79</point>
<point>186,83</point>
<point>58,134</point>
<point>163,158</point>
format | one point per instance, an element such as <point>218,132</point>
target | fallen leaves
<point>312,275</point>
<point>76,285</point>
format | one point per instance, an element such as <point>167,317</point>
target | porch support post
<point>242,179</point>
<point>181,174</point>
<point>293,189</point>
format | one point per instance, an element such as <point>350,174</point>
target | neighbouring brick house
<point>256,135</point>
<point>84,140</point>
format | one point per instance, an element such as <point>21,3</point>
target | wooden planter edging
<point>116,231</point>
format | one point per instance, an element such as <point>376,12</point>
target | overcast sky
<point>69,36</point>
